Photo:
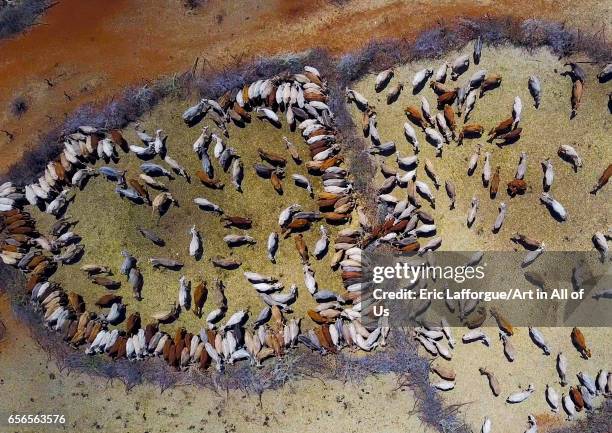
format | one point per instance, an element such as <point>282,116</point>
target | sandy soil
<point>90,404</point>
<point>87,57</point>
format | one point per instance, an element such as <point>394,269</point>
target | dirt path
<point>88,51</point>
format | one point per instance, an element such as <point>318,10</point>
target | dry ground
<point>544,130</point>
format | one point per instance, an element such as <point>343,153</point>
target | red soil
<point>89,50</point>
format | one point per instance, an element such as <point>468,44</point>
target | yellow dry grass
<point>109,224</point>
<point>544,130</point>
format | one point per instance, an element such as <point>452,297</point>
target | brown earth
<point>88,51</point>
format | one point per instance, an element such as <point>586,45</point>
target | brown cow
<point>580,343</point>
<point>187,339</point>
<point>245,94</point>
<point>408,248</point>
<point>516,186</point>
<point>150,330</point>
<point>272,341</point>
<point>118,350</point>
<point>336,217</point>
<point>329,344</point>
<point>491,82</point>
<point>414,115</point>
<point>208,181</point>
<point>106,301</point>
<point>510,137</point>
<point>301,247</point>
<point>276,183</point>
<point>447,98</point>
<point>166,349</point>
<point>313,78</point>
<point>502,128</point>
<point>23,231</point>
<point>33,281</point>
<point>173,354</point>
<point>576,395</point>
<point>37,260</point>
<point>471,130</point>
<point>439,88</point>
<point>296,225</point>
<point>106,282</point>
<point>526,241</point>
<point>140,189</point>
<point>244,115</point>
<point>449,116</point>
<point>347,275</point>
<point>577,90</point>
<point>503,323</point>
<point>199,298</point>
<point>317,318</point>
<point>271,99</point>
<point>277,316</point>
<point>95,330</point>
<point>365,122</point>
<point>326,203</point>
<point>237,221</point>
<point>328,195</point>
<point>59,170</point>
<point>321,166</point>
<point>204,360</point>
<point>76,302</point>
<point>72,330</point>
<point>16,224</point>
<point>314,96</point>
<point>179,334</point>
<point>323,338</point>
<point>317,148</point>
<point>603,179</point>
<point>132,324</point>
<point>494,187</point>
<point>271,157</point>
<point>399,227</point>
<point>119,140</point>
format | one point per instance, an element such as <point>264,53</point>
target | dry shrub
<point>19,106</point>
<point>597,421</point>
<point>20,15</point>
<point>193,4</point>
<point>33,163</point>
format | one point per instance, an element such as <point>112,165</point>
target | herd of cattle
<point>406,221</point>
<point>302,99</point>
<point>400,227</point>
